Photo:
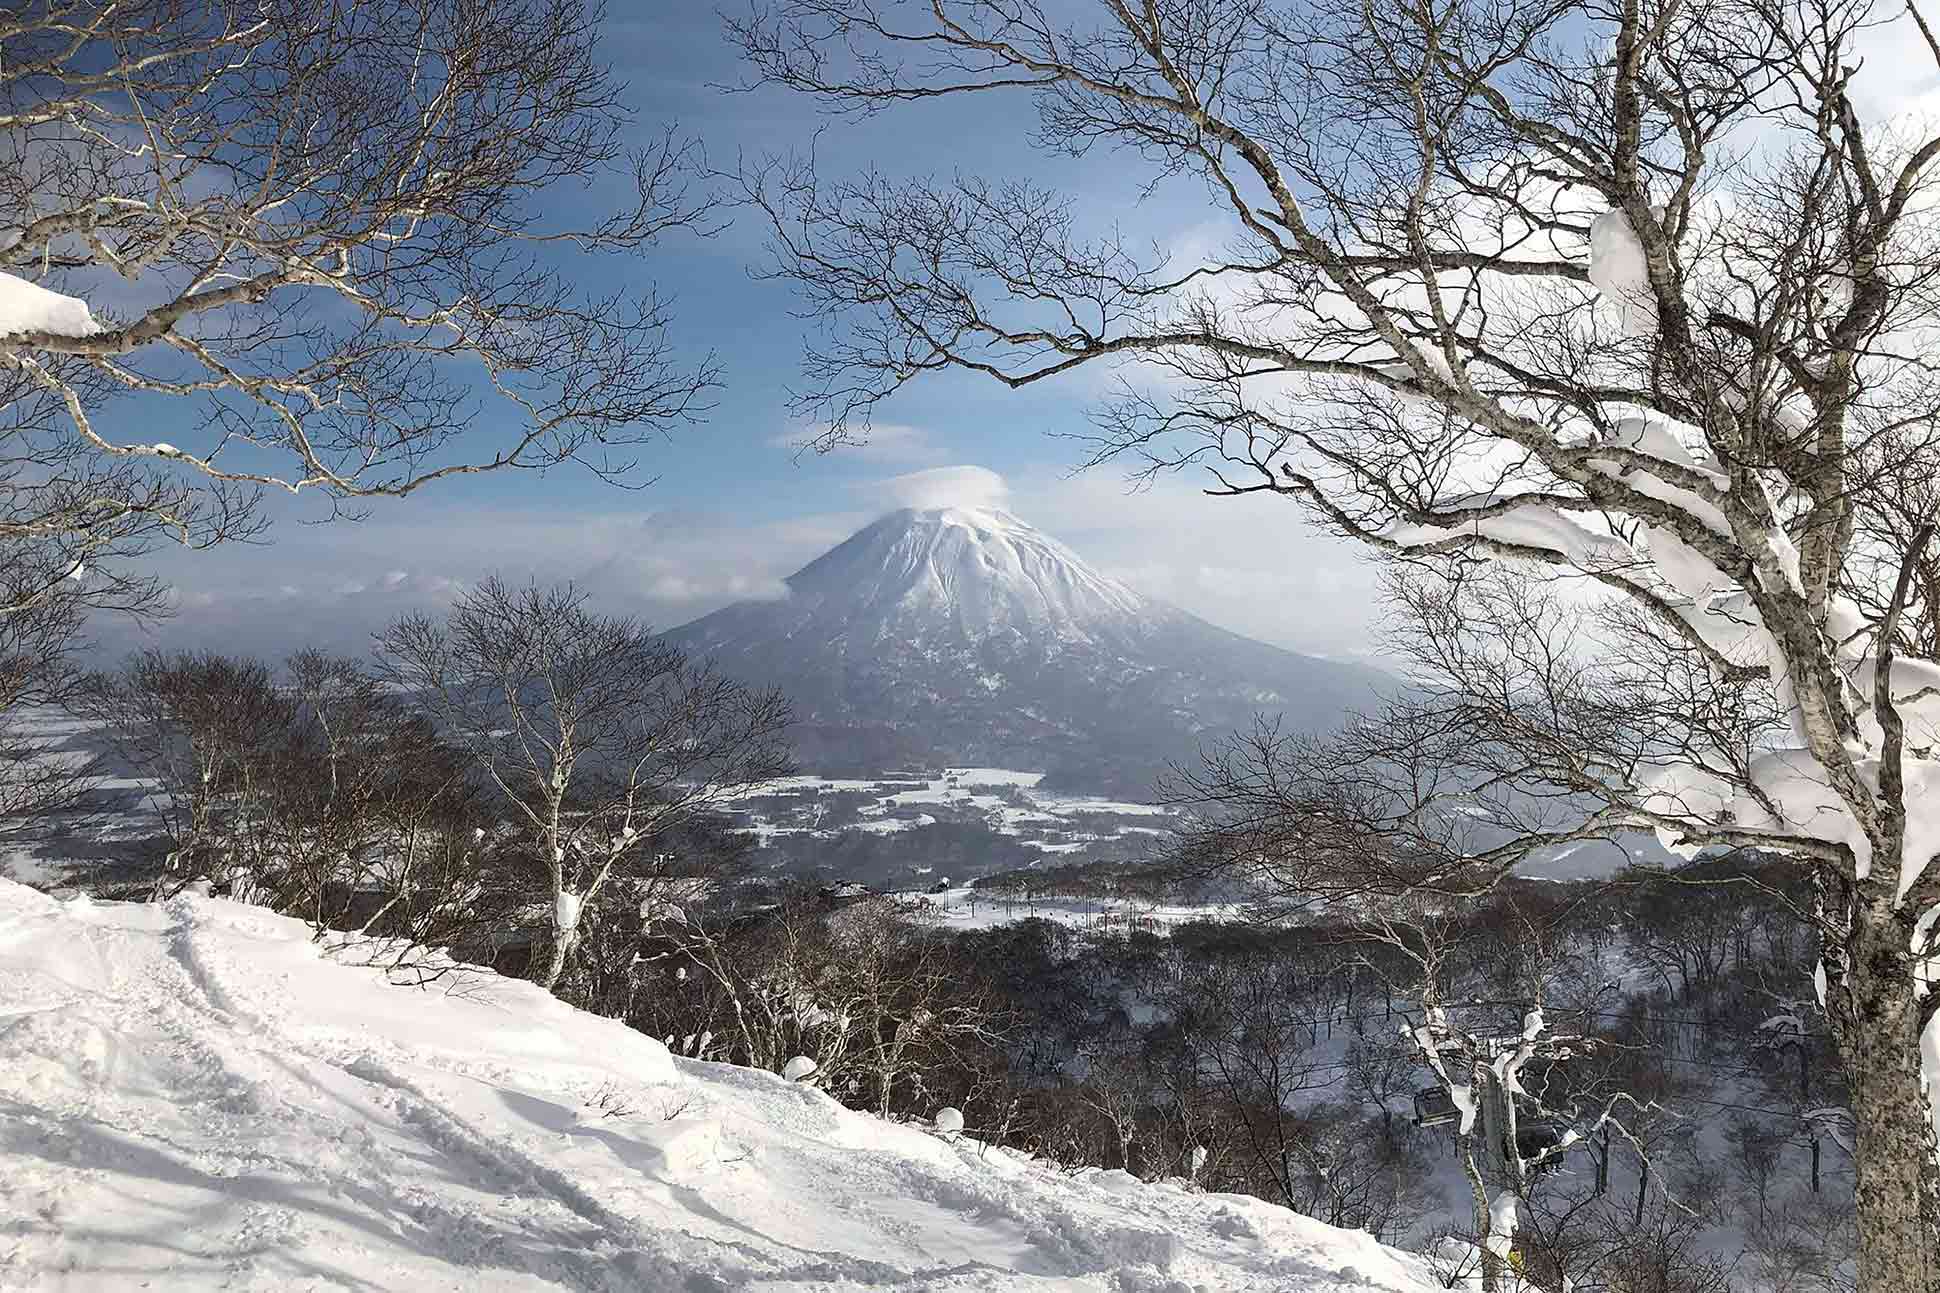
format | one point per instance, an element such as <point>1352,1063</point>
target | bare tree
<point>321,798</point>
<point>757,987</point>
<point>1240,1028</point>
<point>1631,292</point>
<point>38,645</point>
<point>1664,1254</point>
<point>1682,930</point>
<point>1805,1244</point>
<point>1513,1120</point>
<point>623,933</point>
<point>1754,1149</point>
<point>313,232</point>
<point>872,991</point>
<point>1118,1088</point>
<point>595,735</point>
<point>211,733</point>
<point>909,1005</point>
<point>1380,1074</point>
<point>373,817</point>
<point>71,523</point>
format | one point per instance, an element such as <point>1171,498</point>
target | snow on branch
<point>28,308</point>
<point>1620,269</point>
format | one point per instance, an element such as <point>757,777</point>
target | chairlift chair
<point>1434,1106</point>
<point>1533,1138</point>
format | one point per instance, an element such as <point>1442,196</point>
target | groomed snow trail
<point>194,1096</point>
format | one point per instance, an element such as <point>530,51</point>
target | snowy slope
<point>961,635</point>
<point>194,1097</point>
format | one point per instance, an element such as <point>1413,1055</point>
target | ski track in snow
<point>193,1096</point>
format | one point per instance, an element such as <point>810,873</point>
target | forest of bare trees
<point>497,788</point>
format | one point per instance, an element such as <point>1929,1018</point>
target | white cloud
<point>1253,564</point>
<point>346,581</point>
<point>959,486</point>
<point>1900,83</point>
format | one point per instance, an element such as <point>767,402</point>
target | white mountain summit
<point>982,571</point>
<point>966,635</point>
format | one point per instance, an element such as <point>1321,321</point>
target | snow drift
<point>196,1096</point>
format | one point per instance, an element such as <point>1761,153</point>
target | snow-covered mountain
<point>197,1096</point>
<point>960,635</point>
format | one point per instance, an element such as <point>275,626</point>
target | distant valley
<point>918,831</point>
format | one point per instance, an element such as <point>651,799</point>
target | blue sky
<point>734,508</point>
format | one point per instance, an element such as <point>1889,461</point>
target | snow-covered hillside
<point>195,1096</point>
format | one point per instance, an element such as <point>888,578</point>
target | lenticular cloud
<point>937,487</point>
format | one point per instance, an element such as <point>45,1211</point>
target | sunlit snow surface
<point>28,307</point>
<point>985,568</point>
<point>966,908</point>
<point>196,1097</point>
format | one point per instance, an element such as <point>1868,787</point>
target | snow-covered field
<point>1057,829</point>
<point>984,790</point>
<point>197,1097</point>
<point>967,908</point>
<point>1006,802</point>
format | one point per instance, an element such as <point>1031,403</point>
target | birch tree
<point>1637,295</point>
<point>595,735</point>
<point>320,244</point>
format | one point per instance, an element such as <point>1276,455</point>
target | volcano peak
<point>965,635</point>
<point>973,571</point>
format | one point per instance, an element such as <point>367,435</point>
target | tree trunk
<point>1478,1189</point>
<point>1876,1021</point>
<point>1897,1187</point>
<point>562,947</point>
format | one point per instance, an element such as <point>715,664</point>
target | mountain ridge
<point>966,635</point>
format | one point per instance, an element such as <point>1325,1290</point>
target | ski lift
<point>1434,1106</point>
<point>1536,1138</point>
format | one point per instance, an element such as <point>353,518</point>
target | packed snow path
<point>192,1095</point>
